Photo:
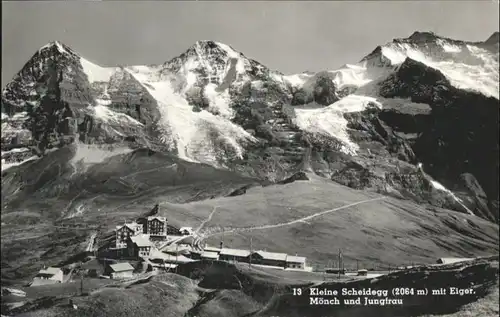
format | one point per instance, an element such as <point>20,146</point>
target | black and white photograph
<point>250,159</point>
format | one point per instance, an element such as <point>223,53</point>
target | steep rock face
<point>53,63</point>
<point>421,113</point>
<point>398,179</point>
<point>469,189</point>
<point>38,99</point>
<point>126,95</point>
<point>214,102</point>
<point>421,100</point>
<point>462,136</point>
<point>319,89</point>
<point>52,102</point>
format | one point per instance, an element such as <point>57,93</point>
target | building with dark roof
<point>268,258</point>
<point>126,231</point>
<point>157,227</point>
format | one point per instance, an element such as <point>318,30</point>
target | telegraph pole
<point>81,283</point>
<point>96,241</point>
<point>222,238</point>
<point>340,262</point>
<point>176,256</point>
<point>250,257</point>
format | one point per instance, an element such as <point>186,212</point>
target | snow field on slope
<point>352,75</point>
<point>357,75</point>
<point>330,120</point>
<point>449,48</point>
<point>219,101</point>
<point>96,73</point>
<point>107,115</point>
<point>187,72</point>
<point>296,80</point>
<point>240,65</point>
<point>488,76</point>
<point>479,78</point>
<point>190,131</point>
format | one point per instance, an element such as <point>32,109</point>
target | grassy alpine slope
<point>318,217</point>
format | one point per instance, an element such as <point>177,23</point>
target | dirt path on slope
<point>292,222</point>
<point>206,220</point>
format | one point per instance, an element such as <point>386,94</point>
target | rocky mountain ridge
<point>420,103</point>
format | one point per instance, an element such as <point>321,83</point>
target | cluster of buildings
<point>140,239</point>
<point>137,239</point>
<point>147,239</point>
<point>154,227</point>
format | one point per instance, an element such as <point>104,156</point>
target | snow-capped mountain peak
<point>214,105</point>
<point>466,65</point>
<point>57,47</point>
<point>56,44</point>
<point>423,36</point>
<point>208,47</point>
<point>207,62</point>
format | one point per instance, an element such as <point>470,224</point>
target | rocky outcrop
<point>395,178</point>
<point>319,89</point>
<point>51,103</point>
<point>126,95</point>
<point>473,195</point>
<point>38,102</point>
<point>461,134</point>
<point>299,176</point>
<point>427,121</point>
